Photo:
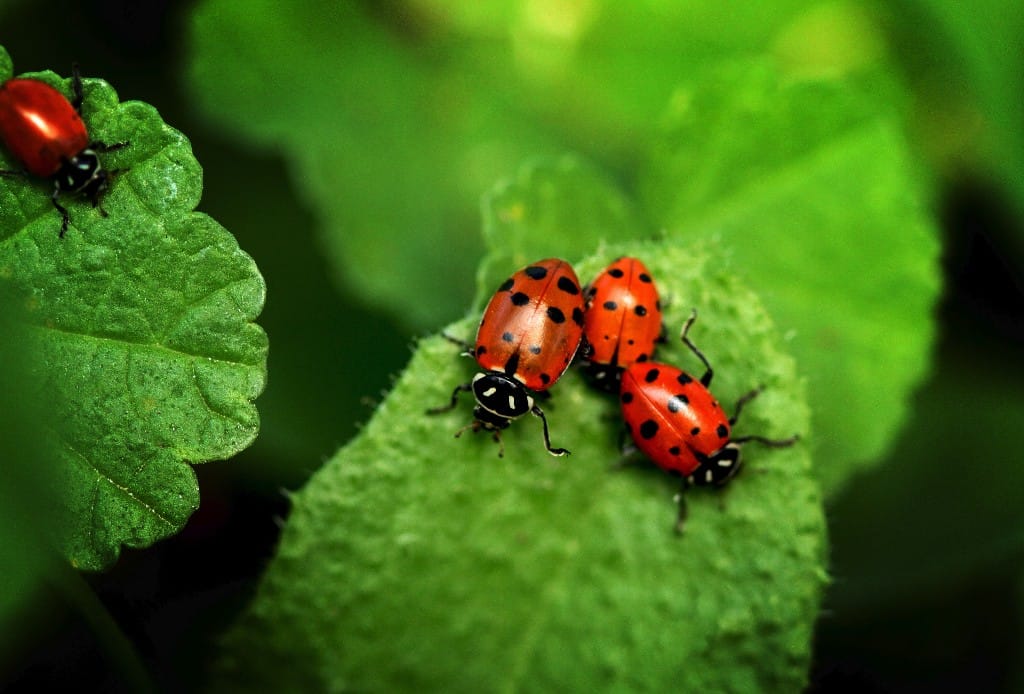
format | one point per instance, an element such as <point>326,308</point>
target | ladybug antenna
<point>537,412</point>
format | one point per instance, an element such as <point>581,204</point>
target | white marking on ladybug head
<point>511,402</point>
<point>709,477</point>
<point>490,391</point>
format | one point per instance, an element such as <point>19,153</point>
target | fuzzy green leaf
<point>142,328</point>
<point>417,561</point>
<point>812,187</point>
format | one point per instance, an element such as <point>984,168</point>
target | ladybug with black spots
<point>46,134</point>
<point>528,336</point>
<point>677,423</point>
<point>622,323</point>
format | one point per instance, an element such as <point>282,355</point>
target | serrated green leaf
<point>812,187</point>
<point>552,208</point>
<point>417,561</point>
<point>142,328</point>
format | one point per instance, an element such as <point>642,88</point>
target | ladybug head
<point>717,469</point>
<point>82,174</point>
<point>500,399</point>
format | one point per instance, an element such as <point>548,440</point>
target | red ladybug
<point>529,334</point>
<point>44,131</point>
<point>676,422</point>
<point>622,322</point>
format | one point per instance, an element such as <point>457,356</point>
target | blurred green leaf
<point>953,454</point>
<point>811,186</point>
<point>552,207</point>
<point>976,47</point>
<point>388,146</point>
<point>26,553</point>
<point>141,329</point>
<point>414,560</point>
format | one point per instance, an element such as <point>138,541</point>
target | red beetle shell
<point>672,416</point>
<point>623,318</point>
<point>39,126</point>
<point>533,324</point>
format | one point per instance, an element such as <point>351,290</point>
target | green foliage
<point>141,331</point>
<point>393,203</point>
<point>551,209</point>
<point>414,560</point>
<point>811,185</point>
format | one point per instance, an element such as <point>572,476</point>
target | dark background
<point>895,619</point>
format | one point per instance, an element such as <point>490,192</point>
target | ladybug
<point>622,321</point>
<point>528,336</point>
<point>45,132</point>
<point>676,422</point>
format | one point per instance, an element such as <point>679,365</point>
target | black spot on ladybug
<point>652,375</point>
<point>684,379</point>
<point>722,431</point>
<point>649,429</point>
<point>577,316</point>
<point>545,379</point>
<point>645,278</point>
<point>536,272</point>
<point>677,402</point>
<point>610,305</point>
<point>674,450</point>
<point>640,310</point>
<point>642,358</point>
<point>626,397</point>
<point>507,337</point>
<point>568,286</point>
<point>694,431</point>
<point>481,350</point>
<point>555,314</point>
<point>506,285</point>
<point>616,272</point>
<point>520,299</point>
<point>534,349</point>
<point>630,341</point>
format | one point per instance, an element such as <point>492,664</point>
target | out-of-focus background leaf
<point>522,79</point>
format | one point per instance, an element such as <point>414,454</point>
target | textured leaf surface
<point>811,186</point>
<point>414,560</point>
<point>142,325</point>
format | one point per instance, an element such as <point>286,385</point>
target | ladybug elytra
<point>677,423</point>
<point>528,336</point>
<point>622,322</point>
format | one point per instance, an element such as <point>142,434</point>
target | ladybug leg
<point>537,412</point>
<point>103,147</point>
<point>63,212</point>
<point>76,88</point>
<point>462,387</point>
<point>680,500</point>
<point>747,397</point>
<point>708,373</point>
<point>467,349</point>
<point>771,443</point>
